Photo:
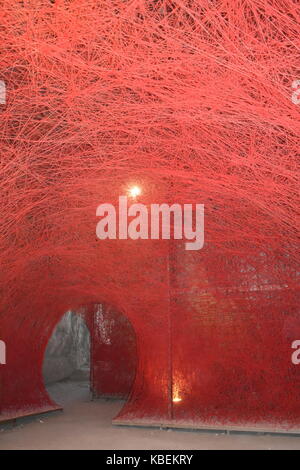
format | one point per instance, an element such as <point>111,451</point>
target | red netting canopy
<point>193,102</point>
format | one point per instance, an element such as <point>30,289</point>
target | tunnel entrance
<point>67,359</point>
<point>91,354</point>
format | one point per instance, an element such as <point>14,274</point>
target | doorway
<point>91,354</point>
<point>66,368</point>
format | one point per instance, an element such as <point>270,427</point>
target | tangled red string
<point>192,101</point>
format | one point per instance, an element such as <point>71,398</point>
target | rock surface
<point>68,350</point>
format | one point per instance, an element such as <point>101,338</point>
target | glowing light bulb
<point>135,191</point>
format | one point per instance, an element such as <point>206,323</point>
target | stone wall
<point>68,349</point>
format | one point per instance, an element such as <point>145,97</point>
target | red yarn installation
<point>191,100</point>
<point>113,352</point>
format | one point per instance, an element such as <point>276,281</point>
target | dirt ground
<point>86,424</point>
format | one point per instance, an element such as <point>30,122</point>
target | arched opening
<point>91,354</point>
<point>66,367</point>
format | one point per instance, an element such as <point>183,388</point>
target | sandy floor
<point>86,424</point>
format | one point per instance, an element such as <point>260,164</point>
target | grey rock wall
<point>68,350</point>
